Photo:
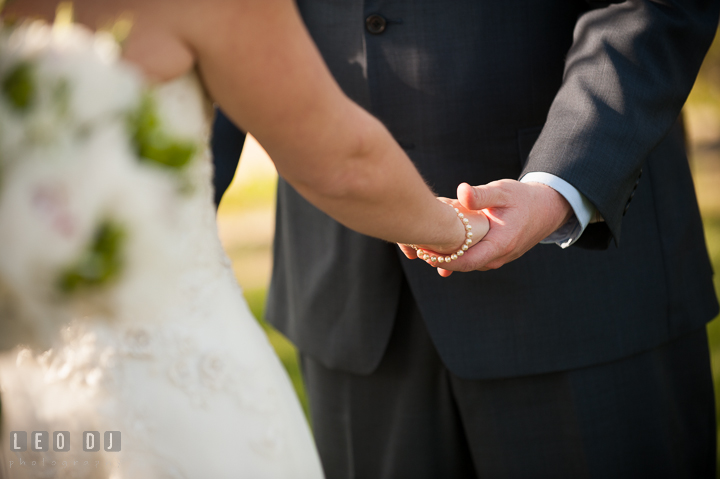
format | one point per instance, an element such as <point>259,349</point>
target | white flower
<point>70,163</point>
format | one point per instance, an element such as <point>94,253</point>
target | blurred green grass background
<point>246,214</point>
<point>702,119</point>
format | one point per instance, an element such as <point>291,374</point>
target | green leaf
<point>152,143</point>
<point>99,264</point>
<point>18,86</point>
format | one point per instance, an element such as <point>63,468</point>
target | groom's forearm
<point>627,76</point>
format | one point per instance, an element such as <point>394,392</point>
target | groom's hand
<point>520,214</point>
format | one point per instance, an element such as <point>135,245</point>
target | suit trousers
<point>651,415</point>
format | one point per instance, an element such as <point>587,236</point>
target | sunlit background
<point>246,216</point>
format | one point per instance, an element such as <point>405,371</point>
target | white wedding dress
<point>119,309</point>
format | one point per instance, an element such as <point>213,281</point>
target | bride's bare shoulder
<point>163,35</point>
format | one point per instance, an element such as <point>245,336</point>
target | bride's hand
<point>479,227</point>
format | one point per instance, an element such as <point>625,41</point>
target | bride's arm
<point>261,66</point>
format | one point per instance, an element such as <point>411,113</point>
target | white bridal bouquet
<point>95,167</point>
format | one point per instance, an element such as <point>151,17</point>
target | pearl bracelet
<point>458,253</point>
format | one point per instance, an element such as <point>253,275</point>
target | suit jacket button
<point>375,24</point>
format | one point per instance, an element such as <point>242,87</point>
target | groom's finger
<point>410,253</point>
<point>444,272</point>
<point>484,256</point>
<point>493,194</point>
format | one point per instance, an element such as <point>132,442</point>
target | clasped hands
<point>508,218</point>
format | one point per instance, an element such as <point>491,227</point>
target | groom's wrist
<point>582,210</point>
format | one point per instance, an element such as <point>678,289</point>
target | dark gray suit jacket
<point>480,90</point>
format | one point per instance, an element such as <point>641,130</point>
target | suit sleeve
<point>627,75</point>
<point>227,145</point>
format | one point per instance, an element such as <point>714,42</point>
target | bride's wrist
<point>450,251</point>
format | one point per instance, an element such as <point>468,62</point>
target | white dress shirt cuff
<point>584,211</point>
